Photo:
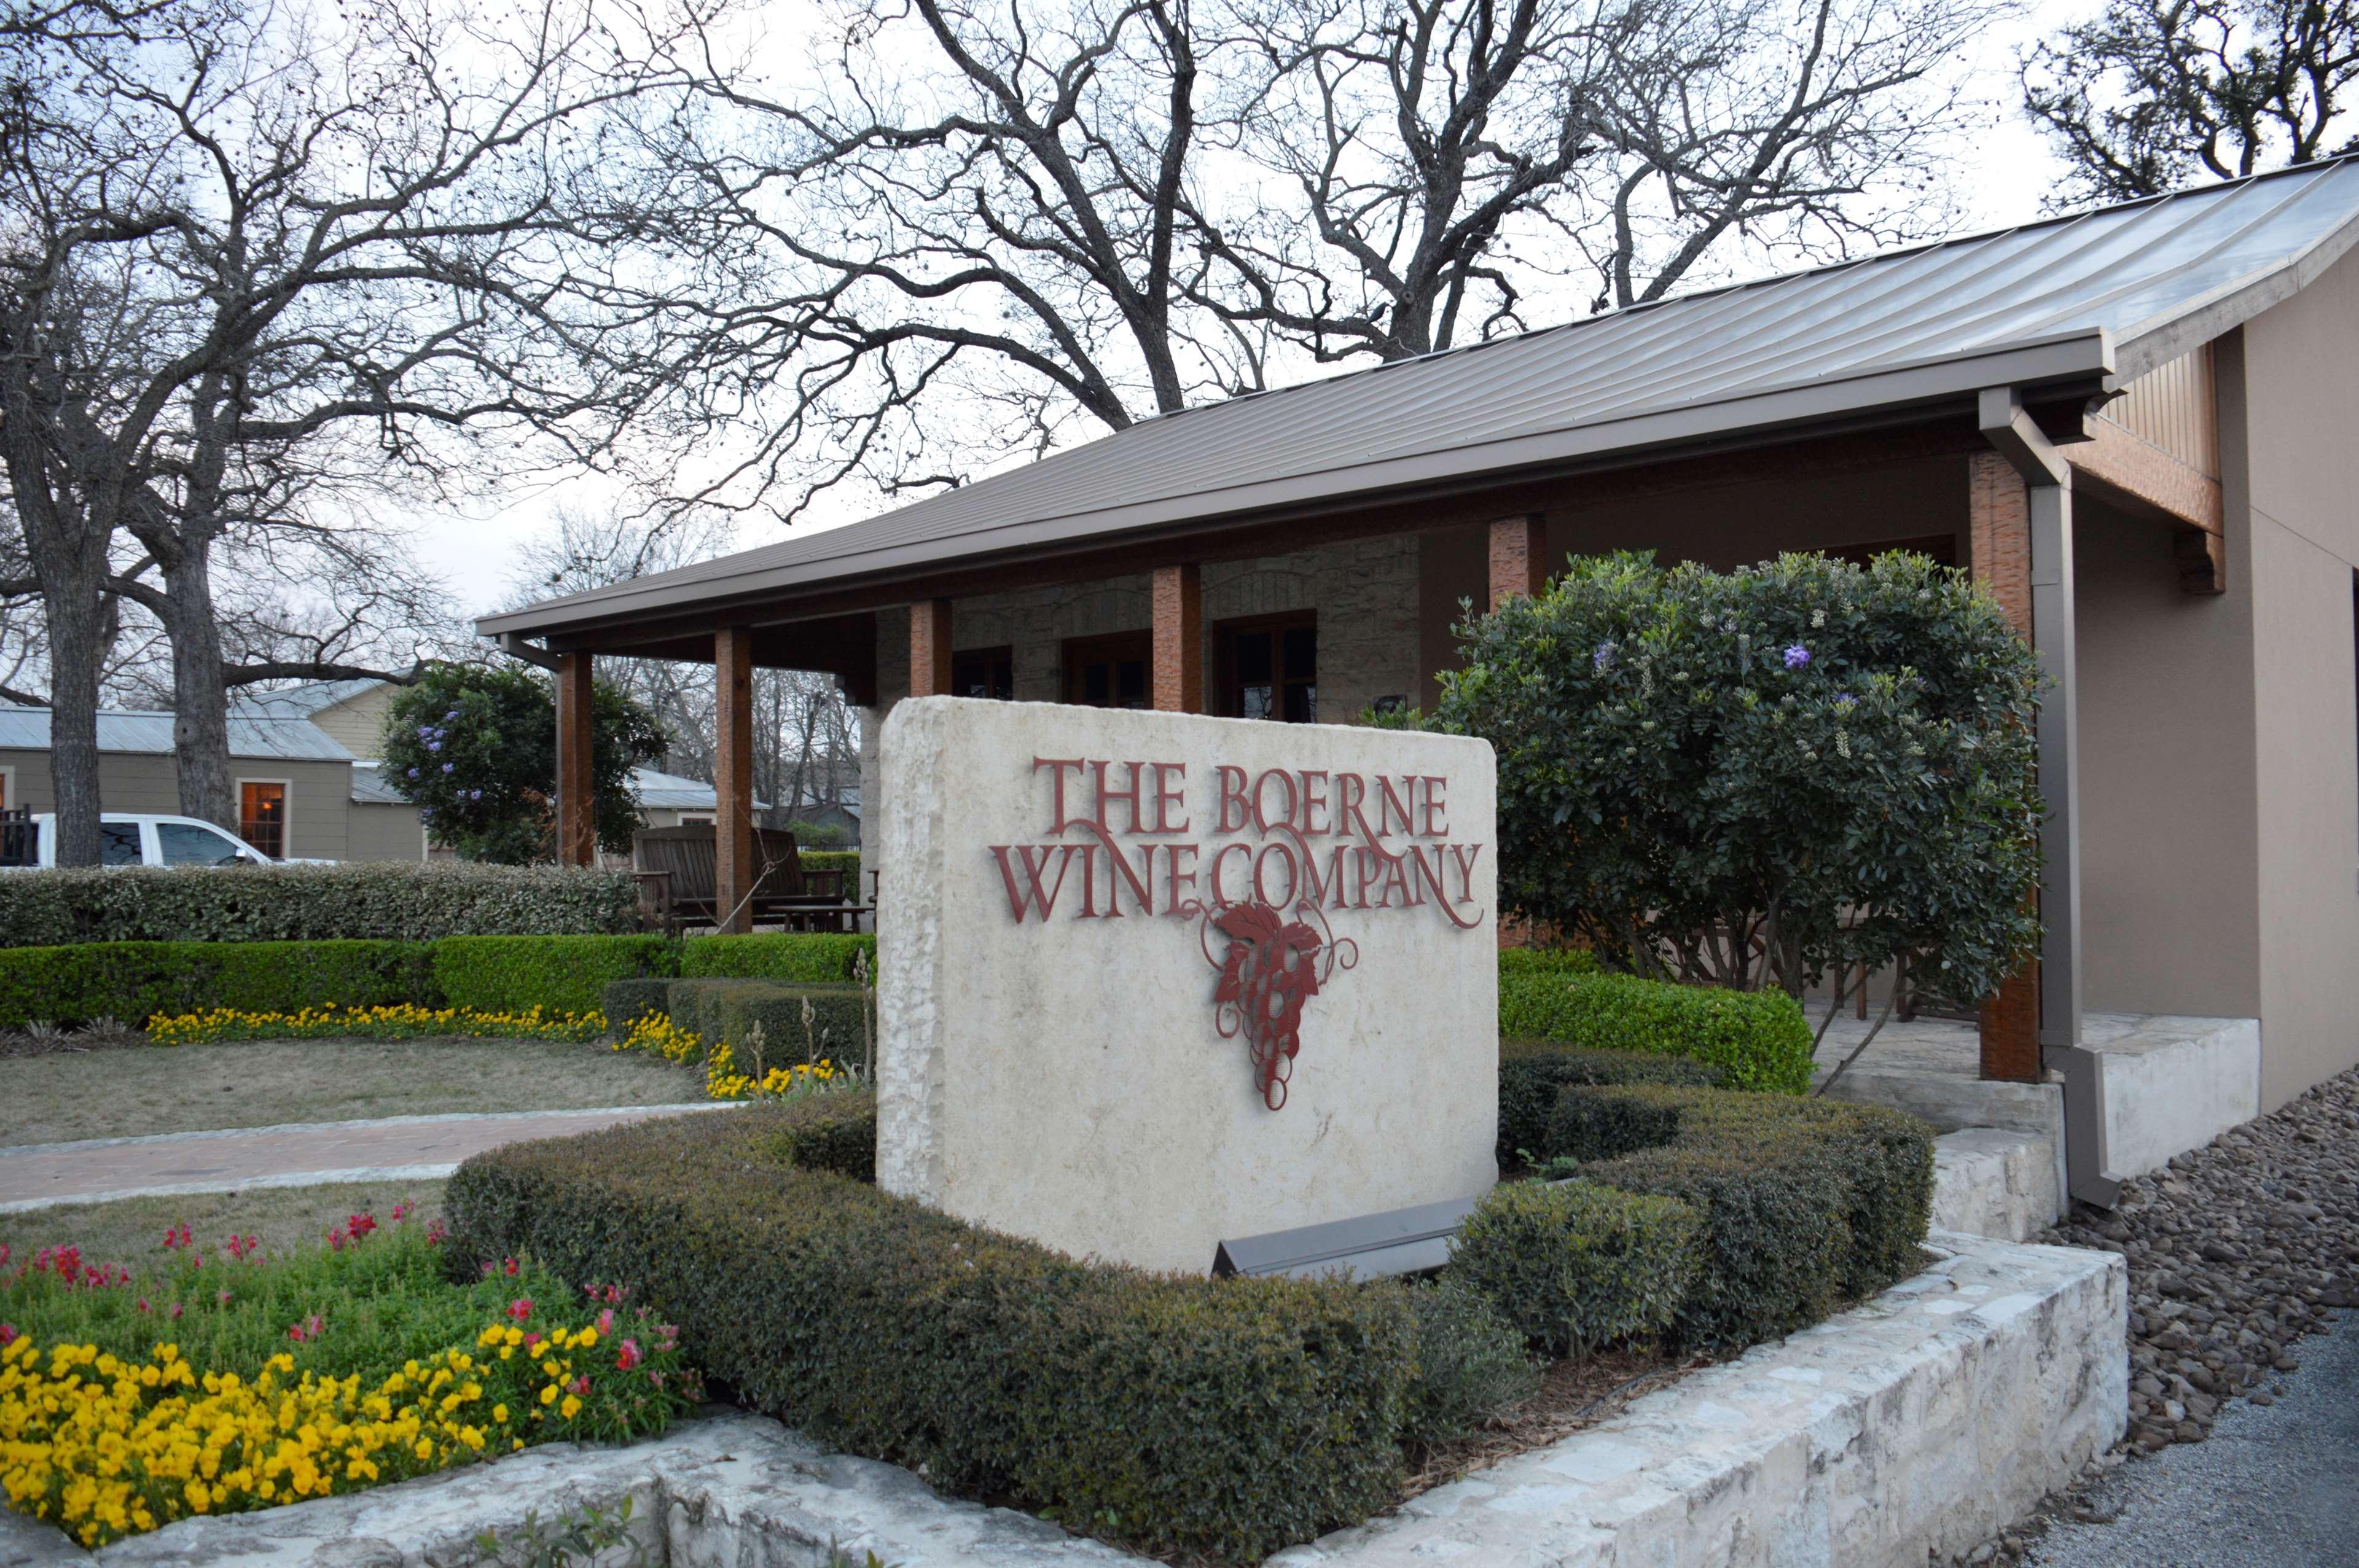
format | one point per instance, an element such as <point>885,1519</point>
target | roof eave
<point>2077,356</point>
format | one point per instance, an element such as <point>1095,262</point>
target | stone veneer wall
<point>1363,592</point>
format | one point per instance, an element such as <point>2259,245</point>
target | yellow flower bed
<point>657,1033</point>
<point>407,1021</point>
<point>107,1448</point>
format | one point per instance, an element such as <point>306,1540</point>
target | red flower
<point>360,1225</point>
<point>520,1308</point>
<point>7,1330</point>
<point>628,1355</point>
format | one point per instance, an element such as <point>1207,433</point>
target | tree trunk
<point>77,648</point>
<point>200,702</point>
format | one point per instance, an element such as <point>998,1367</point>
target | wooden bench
<point>678,876</point>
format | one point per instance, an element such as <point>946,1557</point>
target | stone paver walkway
<point>400,1148</point>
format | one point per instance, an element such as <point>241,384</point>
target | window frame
<point>286,817</point>
<point>1224,662</point>
<point>995,654</point>
<point>1075,655</point>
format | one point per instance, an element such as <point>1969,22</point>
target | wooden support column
<point>577,804</point>
<point>1179,639</point>
<point>2000,510</point>
<point>929,648</point>
<point>732,778</point>
<point>1518,559</point>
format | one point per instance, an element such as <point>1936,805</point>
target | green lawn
<point>131,1231</point>
<point>135,1090</point>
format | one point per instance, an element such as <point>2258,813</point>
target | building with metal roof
<point>2133,424</point>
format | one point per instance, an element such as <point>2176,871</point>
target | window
<point>118,844</point>
<point>983,672</point>
<point>187,844</point>
<point>1108,672</point>
<point>1269,669</point>
<point>262,815</point>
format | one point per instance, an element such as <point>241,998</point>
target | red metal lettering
<point>1314,801</point>
<point>1060,764</point>
<point>1221,893</point>
<point>1174,876</point>
<point>1232,794</point>
<point>1437,801</point>
<point>1293,876</point>
<point>1127,796</point>
<point>1262,819</point>
<point>1350,790</point>
<point>1034,859</point>
<point>1391,804</point>
<point>1167,795</point>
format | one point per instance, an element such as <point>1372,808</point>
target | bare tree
<point>259,249</point>
<point>2155,94</point>
<point>987,227</point>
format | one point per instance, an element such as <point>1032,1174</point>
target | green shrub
<point>1758,1039</point>
<point>823,1132</point>
<point>812,959</point>
<point>1228,1417</point>
<point>134,981</point>
<point>1806,1202</point>
<point>1532,1071</point>
<point>1547,961</point>
<point>1573,1265</point>
<point>625,1002</point>
<point>844,861</point>
<point>1471,1363</point>
<point>557,974</point>
<point>368,901</point>
<point>730,1011</point>
<point>1603,1125</point>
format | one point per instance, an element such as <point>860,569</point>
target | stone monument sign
<point>1152,980</point>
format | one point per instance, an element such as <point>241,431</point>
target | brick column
<point>1518,559</point>
<point>732,778</point>
<point>577,804</point>
<point>929,648</point>
<point>2000,510</point>
<point>1179,639</point>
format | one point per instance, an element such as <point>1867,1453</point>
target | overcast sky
<point>2005,175</point>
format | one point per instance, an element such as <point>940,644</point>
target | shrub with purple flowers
<point>475,748</point>
<point>1746,778</point>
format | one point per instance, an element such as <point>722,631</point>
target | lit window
<point>262,817</point>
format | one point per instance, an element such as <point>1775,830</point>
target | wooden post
<point>577,802</point>
<point>2000,513</point>
<point>929,648</point>
<point>1179,639</point>
<point>732,778</point>
<point>1518,559</point>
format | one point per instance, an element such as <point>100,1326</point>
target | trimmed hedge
<point>1229,1417</point>
<point>1574,1265</point>
<point>559,974</point>
<point>1805,1202</point>
<point>1470,1363</point>
<point>1532,1072</point>
<point>1758,1039</point>
<point>823,1132</point>
<point>625,1002</point>
<point>132,981</point>
<point>1547,961</point>
<point>803,958</point>
<point>728,1010</point>
<point>361,901</point>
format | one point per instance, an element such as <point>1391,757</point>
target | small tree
<point>1745,779</point>
<point>476,748</point>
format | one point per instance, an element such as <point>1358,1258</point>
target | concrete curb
<point>1926,1418</point>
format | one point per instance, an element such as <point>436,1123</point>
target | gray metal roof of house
<point>298,701</point>
<point>2110,293</point>
<point>369,787</point>
<point>136,730</point>
<point>672,792</point>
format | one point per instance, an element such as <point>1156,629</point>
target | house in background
<point>303,763</point>
<point>294,783</point>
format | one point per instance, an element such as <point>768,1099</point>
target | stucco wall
<point>379,831</point>
<point>2299,505</point>
<point>318,794</point>
<point>2170,898</point>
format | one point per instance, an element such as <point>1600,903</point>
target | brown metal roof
<point>2102,296</point>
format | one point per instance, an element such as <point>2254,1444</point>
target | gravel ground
<point>2273,1485</point>
<point>2237,1253</point>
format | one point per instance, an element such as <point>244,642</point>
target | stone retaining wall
<point>1923,1421</point>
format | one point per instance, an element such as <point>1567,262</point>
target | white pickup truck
<point>143,839</point>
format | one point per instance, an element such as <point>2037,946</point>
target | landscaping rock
<point>2237,1250</point>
